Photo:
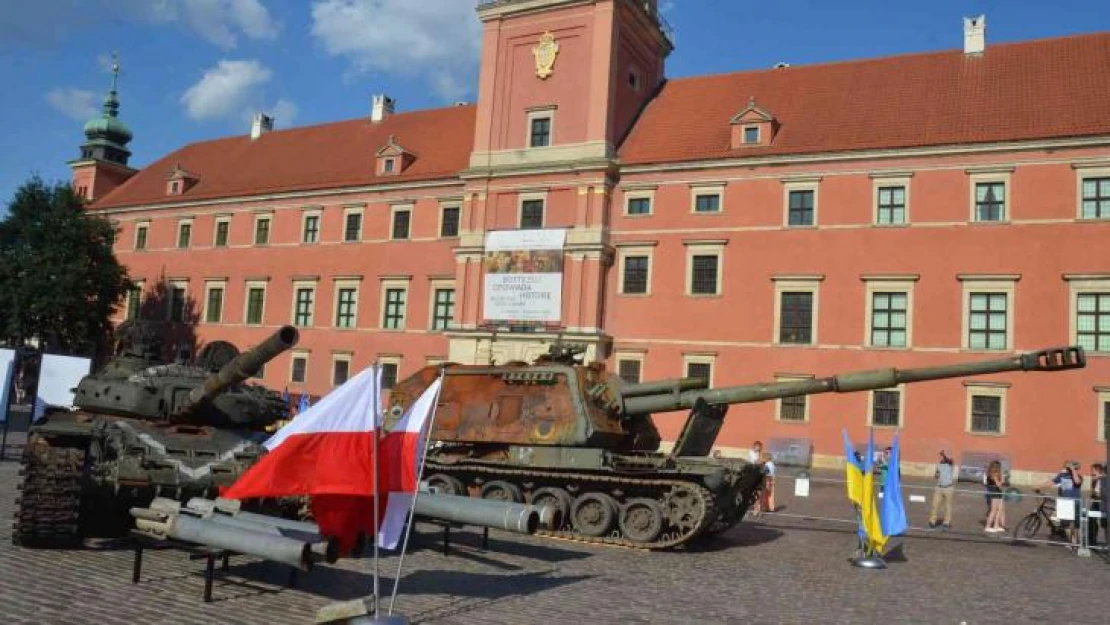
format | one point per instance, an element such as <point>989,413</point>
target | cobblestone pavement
<point>784,568</point>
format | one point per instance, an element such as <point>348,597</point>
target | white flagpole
<point>378,424</point>
<point>419,474</point>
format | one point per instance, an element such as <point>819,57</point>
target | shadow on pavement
<point>472,591</point>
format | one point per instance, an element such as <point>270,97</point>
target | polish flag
<point>402,452</point>
<point>326,453</point>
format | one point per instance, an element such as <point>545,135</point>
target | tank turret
<point>578,437</point>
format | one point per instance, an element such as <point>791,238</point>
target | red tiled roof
<point>327,156</point>
<point>1030,90</point>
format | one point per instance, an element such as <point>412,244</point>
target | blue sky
<point>196,69</point>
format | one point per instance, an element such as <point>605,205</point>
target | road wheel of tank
<point>499,490</point>
<point>641,520</point>
<point>556,498</point>
<point>48,514</point>
<point>593,514</point>
<point>446,484</point>
<point>684,508</point>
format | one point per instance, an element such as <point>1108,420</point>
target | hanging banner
<point>524,275</point>
<point>58,378</point>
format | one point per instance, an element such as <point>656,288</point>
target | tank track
<point>660,486</point>
<point>49,505</point>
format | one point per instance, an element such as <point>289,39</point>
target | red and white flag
<point>402,453</point>
<point>326,453</point>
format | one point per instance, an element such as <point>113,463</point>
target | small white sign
<point>1065,509</point>
<point>801,487</point>
<point>1095,514</point>
<point>917,498</point>
<point>58,377</point>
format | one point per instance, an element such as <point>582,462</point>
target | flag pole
<point>378,424</point>
<point>416,493</point>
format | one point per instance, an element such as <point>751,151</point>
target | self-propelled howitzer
<point>577,437</point>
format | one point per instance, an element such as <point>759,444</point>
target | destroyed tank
<point>578,438</point>
<point>142,428</point>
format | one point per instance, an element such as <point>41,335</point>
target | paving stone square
<point>787,567</point>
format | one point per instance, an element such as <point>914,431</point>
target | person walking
<point>996,518</point>
<point>943,492</point>
<point>1069,487</point>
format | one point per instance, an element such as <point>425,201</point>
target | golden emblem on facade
<point>545,52</point>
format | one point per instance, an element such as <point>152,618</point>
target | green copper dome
<point>106,137</point>
<point>109,128</point>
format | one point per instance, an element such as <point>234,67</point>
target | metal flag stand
<point>416,493</point>
<point>866,557</point>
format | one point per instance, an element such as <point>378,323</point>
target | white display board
<point>7,370</point>
<point>523,275</point>
<point>58,377</point>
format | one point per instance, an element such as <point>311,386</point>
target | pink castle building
<point>775,224</point>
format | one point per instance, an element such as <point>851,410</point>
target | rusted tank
<point>576,437</point>
<point>143,428</point>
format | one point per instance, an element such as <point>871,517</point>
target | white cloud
<point>77,104</point>
<point>436,40</point>
<point>284,112</point>
<point>225,89</point>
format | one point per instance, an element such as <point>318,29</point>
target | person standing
<point>755,454</point>
<point>1069,487</point>
<point>943,492</point>
<point>1098,476</point>
<point>996,518</point>
<point>768,482</point>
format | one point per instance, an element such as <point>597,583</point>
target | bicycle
<point>1045,513</point>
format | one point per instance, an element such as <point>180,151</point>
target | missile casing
<point>254,542</point>
<point>511,517</point>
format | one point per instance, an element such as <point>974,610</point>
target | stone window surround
<point>254,284</point>
<point>302,354</point>
<point>877,283</point>
<point>988,283</point>
<point>1102,394</point>
<point>438,284</point>
<point>797,283</point>
<point>223,218</point>
<point>337,357</point>
<point>394,282</point>
<point>790,377</point>
<point>184,221</point>
<point>1079,284</point>
<point>259,218</point>
<point>639,194</point>
<point>345,282</point>
<point>173,284</point>
<point>700,358</point>
<point>705,188</point>
<point>801,183</point>
<point>443,206</point>
<point>993,389</point>
<point>704,247</point>
<point>1088,170</point>
<point>901,388</point>
<point>891,179</point>
<point>141,225</point>
<point>211,284</point>
<point>391,359</point>
<point>398,208</point>
<point>546,111</point>
<point>640,248</point>
<point>529,196</point>
<point>135,285</point>
<point>304,283</point>
<point>358,209</point>
<point>638,356</point>
<point>990,174</point>
<point>318,213</point>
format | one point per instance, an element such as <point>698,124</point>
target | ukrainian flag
<point>855,472</point>
<point>869,510</point>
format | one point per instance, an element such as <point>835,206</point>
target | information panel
<point>524,275</point>
<point>57,380</point>
<point>7,370</point>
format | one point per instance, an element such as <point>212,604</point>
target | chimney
<point>381,107</point>
<point>975,34</point>
<point>261,124</point>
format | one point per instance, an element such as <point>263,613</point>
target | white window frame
<point>1087,171</point>
<point>758,134</point>
<point>801,184</point>
<point>337,357</point>
<point>386,285</point>
<point>353,210</point>
<point>888,284</point>
<point>298,284</point>
<point>141,225</point>
<point>707,188</point>
<point>705,248</point>
<point>255,284</point>
<point>390,359</point>
<point>526,197</point>
<point>637,356</point>
<point>258,218</point>
<point>1083,284</point>
<point>699,359</point>
<point>210,285</point>
<point>172,284</point>
<point>801,283</point>
<point>443,206</point>
<point>976,177</point>
<point>793,377</point>
<point>901,388</point>
<point>639,194</point>
<point>319,215</point>
<point>624,250</point>
<point>880,181</point>
<point>540,112</point>
<point>1102,395</point>
<point>987,389</point>
<point>140,285</point>
<point>398,208</point>
<point>345,282</point>
<point>222,219</point>
<point>187,221</point>
<point>988,283</point>
<point>437,285</point>
<point>300,353</point>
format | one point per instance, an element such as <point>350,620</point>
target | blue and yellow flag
<point>869,510</point>
<point>893,509</point>
<point>854,471</point>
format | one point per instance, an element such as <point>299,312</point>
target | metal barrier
<point>1029,517</point>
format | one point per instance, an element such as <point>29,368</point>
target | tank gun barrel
<point>663,386</point>
<point>241,367</point>
<point>1054,359</point>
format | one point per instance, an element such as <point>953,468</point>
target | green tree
<point>59,278</point>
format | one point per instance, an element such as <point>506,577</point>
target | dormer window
<point>753,127</point>
<point>393,159</point>
<point>175,187</point>
<point>179,180</point>
<point>388,166</point>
